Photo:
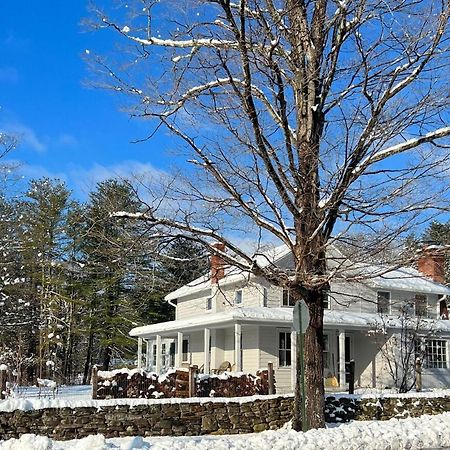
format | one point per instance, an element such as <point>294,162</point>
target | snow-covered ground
<point>418,433</point>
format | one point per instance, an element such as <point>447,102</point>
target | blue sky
<point>66,129</point>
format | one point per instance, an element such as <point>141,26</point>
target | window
<point>265,297</point>
<point>238,297</point>
<point>209,303</point>
<point>287,300</point>
<point>383,302</point>
<point>420,304</point>
<point>185,351</point>
<point>326,352</point>
<point>154,355</point>
<point>436,354</point>
<point>163,355</point>
<point>284,352</point>
<point>326,300</point>
<point>172,354</point>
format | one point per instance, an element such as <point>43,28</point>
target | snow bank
<point>394,434</point>
<point>388,393</point>
<point>32,404</point>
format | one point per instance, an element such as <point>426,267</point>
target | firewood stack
<point>176,384</point>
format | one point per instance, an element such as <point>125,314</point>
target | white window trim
<point>265,297</point>
<point>446,343</point>
<point>242,297</point>
<point>390,301</point>
<point>426,305</point>
<point>288,332</point>
<point>281,300</point>
<point>328,294</point>
<point>188,360</point>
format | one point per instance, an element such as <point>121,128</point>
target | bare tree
<point>400,343</point>
<point>303,122</point>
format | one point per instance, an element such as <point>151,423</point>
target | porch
<point>250,338</point>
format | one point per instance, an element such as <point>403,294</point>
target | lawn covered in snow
<point>417,433</point>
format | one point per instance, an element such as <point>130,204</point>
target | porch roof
<point>280,317</point>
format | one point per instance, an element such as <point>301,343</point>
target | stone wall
<point>343,409</point>
<point>175,419</point>
<point>191,417</point>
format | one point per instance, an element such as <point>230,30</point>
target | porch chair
<point>224,367</point>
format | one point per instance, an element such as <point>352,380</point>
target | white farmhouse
<point>241,319</point>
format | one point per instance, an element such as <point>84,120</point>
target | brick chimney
<point>217,264</point>
<point>432,263</point>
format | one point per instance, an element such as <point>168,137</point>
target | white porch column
<point>213,361</point>
<point>293,359</point>
<point>179,354</point>
<point>158,354</point>
<point>148,353</point>
<point>237,346</point>
<point>206,355</point>
<point>139,353</point>
<point>341,358</point>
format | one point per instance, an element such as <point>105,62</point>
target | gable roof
<point>377,276</point>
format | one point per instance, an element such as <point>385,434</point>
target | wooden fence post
<point>351,377</point>
<point>270,378</point>
<point>192,389</point>
<point>418,375</point>
<point>2,383</point>
<point>94,382</point>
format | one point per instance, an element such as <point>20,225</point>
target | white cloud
<point>83,180</point>
<point>27,136</point>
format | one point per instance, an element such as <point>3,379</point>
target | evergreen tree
<point>44,245</point>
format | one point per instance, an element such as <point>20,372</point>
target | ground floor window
<point>436,354</point>
<point>326,351</point>
<point>185,351</point>
<point>154,355</point>
<point>284,349</point>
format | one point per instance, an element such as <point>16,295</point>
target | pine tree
<point>44,244</point>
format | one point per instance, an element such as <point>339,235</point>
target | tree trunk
<point>313,363</point>
<point>107,357</point>
<point>87,364</point>
<point>314,346</point>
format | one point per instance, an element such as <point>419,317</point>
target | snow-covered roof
<point>276,316</point>
<point>402,279</point>
<point>405,279</point>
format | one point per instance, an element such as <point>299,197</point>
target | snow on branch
<point>399,148</point>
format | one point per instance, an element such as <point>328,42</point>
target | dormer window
<point>238,297</point>
<point>287,299</point>
<point>209,304</point>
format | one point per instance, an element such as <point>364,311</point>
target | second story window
<point>284,349</point>
<point>209,304</point>
<point>238,297</point>
<point>287,299</point>
<point>383,302</point>
<point>326,300</point>
<point>265,297</point>
<point>420,305</point>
